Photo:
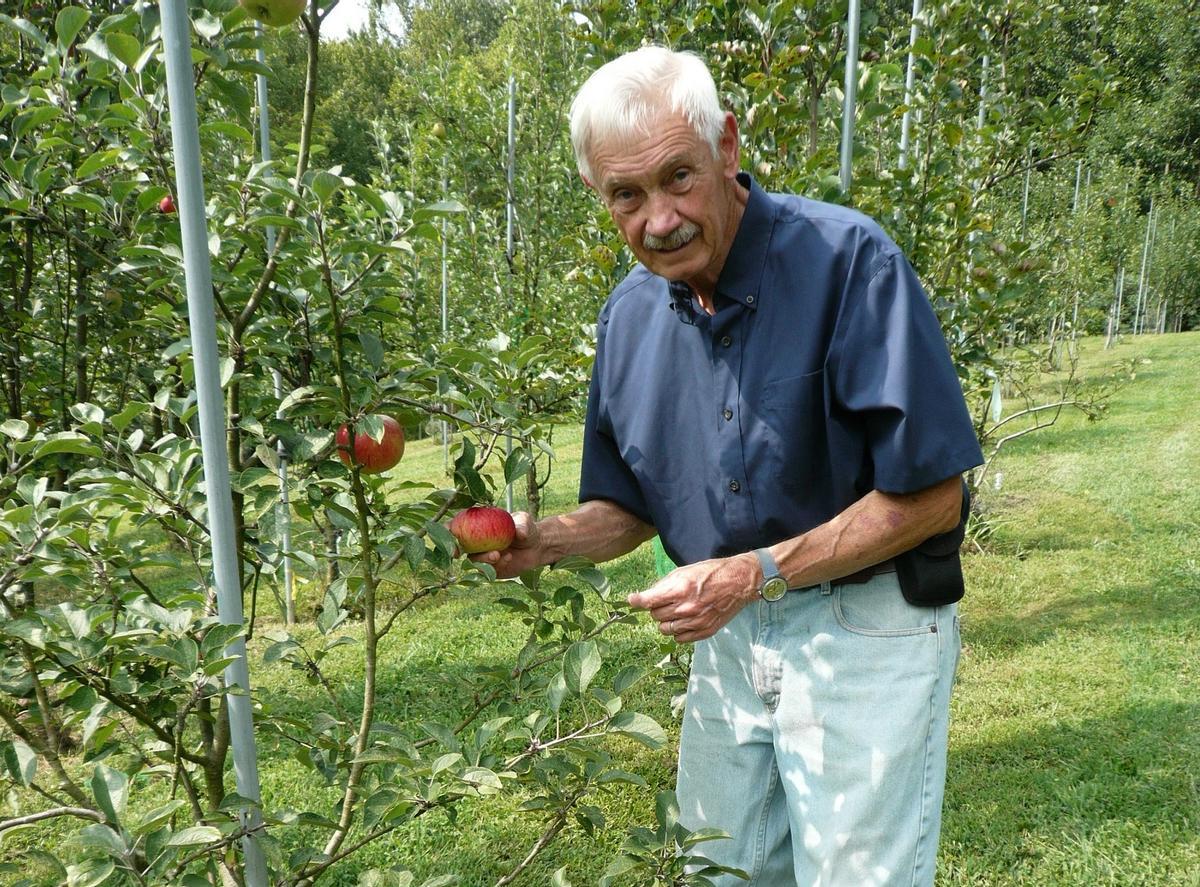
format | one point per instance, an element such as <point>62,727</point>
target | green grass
<point>1075,741</point>
<point>1075,748</point>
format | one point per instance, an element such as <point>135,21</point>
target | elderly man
<point>773,396</point>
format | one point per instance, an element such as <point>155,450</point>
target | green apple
<point>275,13</point>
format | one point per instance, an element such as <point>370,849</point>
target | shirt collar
<point>742,273</point>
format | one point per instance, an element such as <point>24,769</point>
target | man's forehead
<point>666,140</point>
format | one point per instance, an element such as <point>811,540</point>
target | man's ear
<point>728,148</point>
<point>584,179</point>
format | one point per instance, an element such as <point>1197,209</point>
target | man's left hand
<point>694,602</point>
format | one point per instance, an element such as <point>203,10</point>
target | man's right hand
<point>523,554</point>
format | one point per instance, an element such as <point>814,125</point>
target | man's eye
<point>623,198</point>
<point>682,175</point>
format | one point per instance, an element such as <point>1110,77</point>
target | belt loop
<point>826,588</point>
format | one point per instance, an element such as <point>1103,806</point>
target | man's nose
<point>661,215</point>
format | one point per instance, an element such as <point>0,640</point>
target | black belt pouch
<point>931,574</point>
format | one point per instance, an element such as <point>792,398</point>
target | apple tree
<point>113,714</point>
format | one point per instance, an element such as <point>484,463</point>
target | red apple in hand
<point>372,457</point>
<point>483,528</point>
<point>167,205</point>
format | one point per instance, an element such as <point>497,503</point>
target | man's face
<point>672,200</point>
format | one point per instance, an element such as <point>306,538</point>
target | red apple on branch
<point>483,528</point>
<point>372,456</point>
<point>167,205</point>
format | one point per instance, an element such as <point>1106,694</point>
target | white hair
<point>626,95</point>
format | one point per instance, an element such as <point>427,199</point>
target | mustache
<point>677,238</point>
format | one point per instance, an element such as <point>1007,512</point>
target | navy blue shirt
<point>824,374</point>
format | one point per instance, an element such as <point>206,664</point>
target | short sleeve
<point>603,473</point>
<point>891,370</point>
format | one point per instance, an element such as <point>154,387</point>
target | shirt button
<point>734,486</point>
<point>749,300</point>
<point>728,414</point>
<point>726,341</point>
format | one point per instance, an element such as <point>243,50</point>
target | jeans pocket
<point>878,609</point>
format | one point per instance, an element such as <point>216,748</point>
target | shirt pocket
<point>793,441</point>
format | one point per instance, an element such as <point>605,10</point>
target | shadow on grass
<point>1170,595</point>
<point>1103,779</point>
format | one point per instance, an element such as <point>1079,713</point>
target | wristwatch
<point>774,586</point>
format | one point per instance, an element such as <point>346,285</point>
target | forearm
<point>598,530</point>
<point>873,529</point>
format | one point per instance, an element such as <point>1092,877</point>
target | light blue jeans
<point>815,734</point>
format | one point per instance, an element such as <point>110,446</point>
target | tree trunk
<point>533,492</point>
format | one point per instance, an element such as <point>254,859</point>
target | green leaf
<point>444,762</point>
<point>110,789</point>
<point>483,780</point>
<point>197,834</point>
<point>67,442</point>
<point>68,23</point>
<point>227,128</point>
<point>414,550</point>
<point>21,761</point>
<point>705,834</point>
<point>122,419</point>
<point>556,692</point>
<point>77,620</point>
<point>639,727</point>
<point>324,184</point>
<point>157,817</point>
<point>26,27</point>
<point>98,46</point>
<point>666,810</point>
<point>372,347</point>
<point>439,208</point>
<point>125,47</point>
<point>97,162</point>
<point>516,465</point>
<point>32,119</point>
<point>89,872</point>
<point>441,537</point>
<point>102,837</point>
<point>33,489</point>
<point>620,866</point>
<point>627,677</point>
<point>580,665</point>
<point>17,429</point>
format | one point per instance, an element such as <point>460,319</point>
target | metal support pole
<point>909,80</point>
<point>982,116</point>
<point>850,97</point>
<point>445,314</point>
<point>1025,195</point>
<point>510,207</point>
<point>511,215</point>
<point>189,181</point>
<point>1137,311</point>
<point>1078,176</point>
<point>283,511</point>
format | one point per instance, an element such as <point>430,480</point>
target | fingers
<point>524,524</point>
<point>685,632</point>
<point>654,597</point>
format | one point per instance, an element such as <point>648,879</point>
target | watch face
<point>774,588</point>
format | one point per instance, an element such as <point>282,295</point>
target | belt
<point>866,574</point>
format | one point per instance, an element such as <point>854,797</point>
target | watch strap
<point>770,569</point>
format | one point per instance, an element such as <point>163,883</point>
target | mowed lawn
<point>1075,748</point>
